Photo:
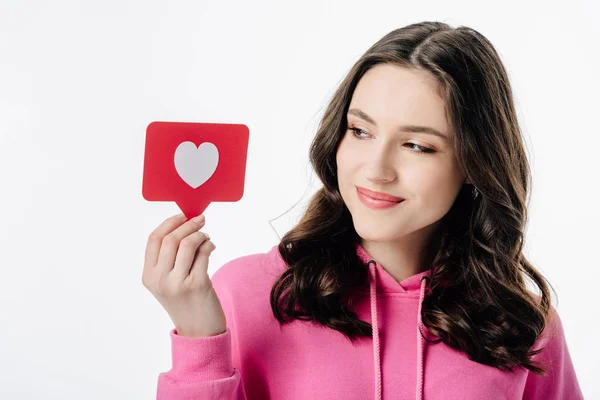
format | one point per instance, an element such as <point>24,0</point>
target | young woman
<point>405,277</point>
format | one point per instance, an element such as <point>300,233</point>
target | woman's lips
<point>375,203</point>
<point>378,195</point>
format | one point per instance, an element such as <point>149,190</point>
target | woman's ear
<point>467,180</point>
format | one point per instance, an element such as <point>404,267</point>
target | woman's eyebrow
<point>402,128</point>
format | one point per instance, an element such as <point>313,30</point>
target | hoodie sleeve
<point>560,381</point>
<point>202,368</point>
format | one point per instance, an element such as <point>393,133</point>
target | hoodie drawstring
<point>375,325</point>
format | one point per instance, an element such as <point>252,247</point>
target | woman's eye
<point>356,132</point>
<point>420,149</point>
<point>415,148</point>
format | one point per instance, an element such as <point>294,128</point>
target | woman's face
<point>386,157</point>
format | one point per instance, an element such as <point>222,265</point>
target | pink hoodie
<point>256,358</point>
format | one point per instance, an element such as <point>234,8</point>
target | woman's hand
<point>176,273</point>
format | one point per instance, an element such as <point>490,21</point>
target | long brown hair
<point>478,301</point>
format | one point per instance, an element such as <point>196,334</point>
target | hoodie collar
<point>386,283</point>
<point>381,280</point>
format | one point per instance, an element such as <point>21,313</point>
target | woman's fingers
<point>171,242</point>
<point>156,237</point>
<point>199,268</point>
<point>188,250</point>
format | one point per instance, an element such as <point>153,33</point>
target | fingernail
<point>199,218</point>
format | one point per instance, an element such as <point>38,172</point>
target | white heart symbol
<point>196,165</point>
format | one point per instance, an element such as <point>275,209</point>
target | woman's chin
<point>374,233</point>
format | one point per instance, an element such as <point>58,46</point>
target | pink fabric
<point>256,358</point>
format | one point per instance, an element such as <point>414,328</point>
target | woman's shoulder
<point>250,270</point>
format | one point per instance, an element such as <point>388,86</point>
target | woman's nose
<point>380,168</point>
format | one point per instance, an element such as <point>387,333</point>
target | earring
<point>475,192</point>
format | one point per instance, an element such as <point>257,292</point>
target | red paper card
<point>194,164</point>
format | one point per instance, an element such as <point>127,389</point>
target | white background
<point>80,81</point>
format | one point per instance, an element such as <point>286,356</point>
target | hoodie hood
<point>381,281</point>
